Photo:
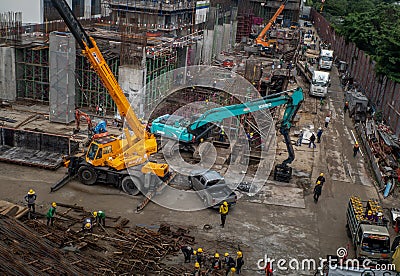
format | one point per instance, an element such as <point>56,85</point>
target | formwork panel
<point>34,148</point>
<point>62,77</point>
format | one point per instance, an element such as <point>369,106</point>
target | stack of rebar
<point>117,249</point>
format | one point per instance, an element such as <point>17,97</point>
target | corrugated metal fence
<point>383,93</point>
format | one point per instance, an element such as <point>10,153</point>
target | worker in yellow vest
<point>223,210</point>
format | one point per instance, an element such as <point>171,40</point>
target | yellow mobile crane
<point>262,41</point>
<point>120,161</point>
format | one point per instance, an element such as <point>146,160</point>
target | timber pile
<point>35,249</point>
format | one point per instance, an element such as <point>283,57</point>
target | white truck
<point>325,59</point>
<point>319,84</point>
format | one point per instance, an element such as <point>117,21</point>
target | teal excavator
<point>190,131</point>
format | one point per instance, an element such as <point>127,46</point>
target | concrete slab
<point>280,195</point>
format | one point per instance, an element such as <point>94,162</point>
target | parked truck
<point>369,235</point>
<point>211,188</point>
<point>325,59</point>
<point>319,84</point>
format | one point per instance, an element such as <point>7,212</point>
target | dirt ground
<point>281,221</point>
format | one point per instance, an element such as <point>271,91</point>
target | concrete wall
<point>131,81</point>
<point>8,85</point>
<point>62,77</point>
<point>208,46</point>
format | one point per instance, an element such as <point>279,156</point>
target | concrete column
<point>132,80</point>
<point>8,85</point>
<point>62,77</point>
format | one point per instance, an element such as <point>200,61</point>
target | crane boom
<point>96,59</point>
<point>261,37</point>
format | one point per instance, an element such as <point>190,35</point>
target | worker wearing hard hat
<point>216,263</point>
<point>51,213</point>
<point>30,198</point>
<point>196,271</point>
<point>239,262</point>
<point>370,215</point>
<point>321,178</point>
<point>223,210</point>
<point>233,271</point>
<point>100,217</point>
<point>356,149</point>
<point>317,191</point>
<point>199,255</point>
<point>87,225</point>
<point>228,262</point>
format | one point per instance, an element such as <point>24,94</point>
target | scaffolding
<point>33,73</point>
<point>90,91</point>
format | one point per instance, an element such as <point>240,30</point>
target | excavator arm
<point>292,101</point>
<point>260,40</point>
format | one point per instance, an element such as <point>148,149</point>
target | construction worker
<point>239,262</point>
<point>187,252</point>
<point>356,149</point>
<point>199,257</point>
<point>346,107</point>
<point>319,134</point>
<point>100,216</point>
<point>370,216</point>
<point>229,262</point>
<point>321,179</point>
<point>196,271</point>
<point>216,263</point>
<point>30,198</point>
<point>317,191</point>
<point>312,141</point>
<point>51,213</point>
<point>223,210</point>
<point>327,120</point>
<point>222,134</point>
<point>194,256</point>
<point>87,225</point>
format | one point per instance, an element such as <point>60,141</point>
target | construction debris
<point>114,250</point>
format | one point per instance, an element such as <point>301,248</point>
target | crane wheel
<point>130,185</point>
<point>87,175</point>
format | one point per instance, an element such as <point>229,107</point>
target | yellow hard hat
<point>95,214</point>
<point>369,212</point>
<point>239,253</point>
<point>197,265</point>
<point>216,255</point>
<point>200,250</point>
<point>233,269</point>
<point>194,252</point>
<point>356,143</point>
<point>225,203</point>
<point>88,225</point>
<point>54,204</point>
<point>321,174</point>
<point>318,182</point>
<point>226,254</point>
<point>31,192</point>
